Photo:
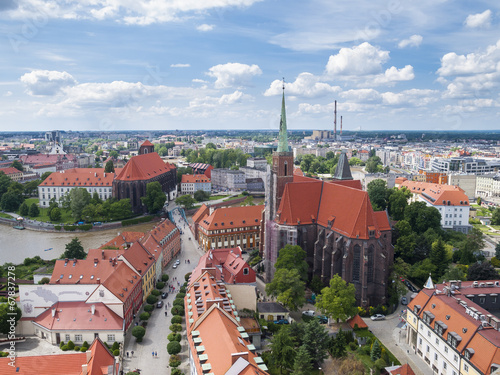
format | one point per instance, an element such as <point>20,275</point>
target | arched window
<point>371,251</point>
<point>356,263</point>
<point>286,168</point>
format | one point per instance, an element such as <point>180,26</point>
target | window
<point>446,349</point>
<point>78,338</point>
<point>420,342</point>
<point>67,338</point>
<point>428,350</point>
<point>435,356</point>
<point>437,341</point>
<point>466,367</point>
<point>111,338</point>
<point>444,365</point>
<point>481,300</point>
<point>245,271</point>
<point>455,358</point>
<point>428,333</point>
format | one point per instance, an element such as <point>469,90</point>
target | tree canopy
<point>338,300</point>
<point>421,217</point>
<point>482,271</point>
<point>288,288</point>
<point>185,200</point>
<point>292,257</point>
<point>78,198</point>
<point>109,167</point>
<point>155,198</point>
<point>5,310</point>
<point>378,193</point>
<point>74,249</point>
<point>282,349</point>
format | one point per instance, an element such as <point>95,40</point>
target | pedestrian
<point>153,354</point>
<point>127,354</point>
<point>132,352</point>
<point>156,354</point>
<point>166,313</point>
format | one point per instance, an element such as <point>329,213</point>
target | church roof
<point>144,167</point>
<point>344,209</point>
<point>343,172</point>
<point>147,143</point>
<point>282,136</point>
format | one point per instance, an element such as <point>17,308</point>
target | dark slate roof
<point>270,307</point>
<point>343,171</point>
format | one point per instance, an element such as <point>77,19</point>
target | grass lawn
<point>231,198</point>
<point>6,216</point>
<point>66,217</point>
<point>215,197</point>
<point>486,230</point>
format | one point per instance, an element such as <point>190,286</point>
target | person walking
<point>132,352</point>
<point>153,354</point>
<point>156,354</point>
<point>127,354</point>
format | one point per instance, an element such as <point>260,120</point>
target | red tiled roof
<point>486,346</point>
<point>201,213</point>
<point>233,217</point>
<point>356,319</point>
<point>146,143</point>
<point>80,177</point>
<point>438,194</point>
<point>100,359</point>
<point>403,370</point>
<point>122,240</point>
<point>78,316</point>
<point>10,170</point>
<point>122,281</point>
<point>346,210</point>
<point>194,178</point>
<point>58,364</point>
<point>144,167</point>
<point>139,258</point>
<point>83,271</point>
<point>356,184</point>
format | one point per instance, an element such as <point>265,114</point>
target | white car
<point>377,317</point>
<point>308,312</point>
<point>174,266</point>
<point>177,262</point>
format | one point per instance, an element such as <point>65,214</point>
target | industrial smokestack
<point>335,122</point>
<point>341,126</point>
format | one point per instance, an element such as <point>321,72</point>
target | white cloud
<point>46,82</point>
<point>180,65</point>
<point>473,63</point>
<point>233,74</point>
<point>305,85</point>
<point>8,93</point>
<point>235,97</point>
<point>359,60</point>
<point>362,96</point>
<point>139,12</point>
<point>412,41</point>
<point>393,75</point>
<point>412,97</point>
<point>479,20</point>
<point>205,27</point>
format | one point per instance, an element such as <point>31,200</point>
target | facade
<point>94,180</point>
<point>191,183</point>
<point>144,264</point>
<point>61,162</point>
<point>453,334</point>
<point>230,227</point>
<point>467,182</point>
<point>434,177</point>
<point>140,170</point>
<point>488,186</point>
<point>257,163</point>
<point>464,165</point>
<point>255,184</point>
<point>450,201</point>
<point>228,179</point>
<point>201,168</point>
<point>13,173</point>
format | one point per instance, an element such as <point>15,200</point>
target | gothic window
<point>286,168</point>
<point>370,263</point>
<point>356,263</point>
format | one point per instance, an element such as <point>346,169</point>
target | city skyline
<point>166,65</point>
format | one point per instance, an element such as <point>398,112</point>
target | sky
<point>219,64</point>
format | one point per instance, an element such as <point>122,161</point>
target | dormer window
<point>416,309</point>
<point>469,352</point>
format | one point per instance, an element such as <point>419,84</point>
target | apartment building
<point>191,183</point>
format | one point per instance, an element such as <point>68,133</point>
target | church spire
<point>282,136</point>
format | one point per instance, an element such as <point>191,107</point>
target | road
<point>158,324</point>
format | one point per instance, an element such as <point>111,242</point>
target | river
<point>16,245</point>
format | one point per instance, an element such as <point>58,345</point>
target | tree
<point>45,175</point>
<point>378,193</point>
<point>482,271</point>
<point>173,347</point>
<point>109,167</point>
<point>55,214</point>
<point>421,217</point>
<point>316,284</point>
<point>201,195</point>
<point>338,300</point>
<point>316,341</point>
<point>302,364</point>
<point>5,182</point>
<point>11,201</point>
<point>5,318</point>
<point>292,257</point>
<point>453,273</point>
<point>31,188</point>
<point>397,202</point>
<point>74,249</point>
<point>96,199</point>
<point>282,349</point>
<point>338,345</point>
<point>185,200</point>
<point>24,209</point>
<point>422,248</point>
<point>497,250</point>
<point>248,201</point>
<point>210,145</point>
<point>376,351</point>
<point>439,257</point>
<point>79,198</point>
<point>288,288</point>
<point>34,210</point>
<point>495,216</point>
<point>405,243</point>
<point>373,163</point>
<point>138,332</point>
<point>155,197</point>
<point>113,154</point>
<point>17,164</point>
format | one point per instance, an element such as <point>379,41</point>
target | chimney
<point>236,356</point>
<point>211,210</point>
<point>84,369</point>
<point>102,254</point>
<point>340,125</point>
<point>98,280</point>
<point>92,309</point>
<point>54,312</point>
<point>335,122</point>
<point>89,355</point>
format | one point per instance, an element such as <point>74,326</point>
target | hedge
<point>57,227</point>
<point>76,349</point>
<point>176,319</point>
<point>174,361</point>
<point>151,299</point>
<point>138,220</point>
<point>70,228</point>
<point>177,310</point>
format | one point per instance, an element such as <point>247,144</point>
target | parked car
<point>377,317</point>
<point>174,266</point>
<point>164,295</point>
<point>322,319</point>
<point>281,321</point>
<point>159,304</point>
<point>404,301</point>
<point>308,312</point>
<point>177,262</point>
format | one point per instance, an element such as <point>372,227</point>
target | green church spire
<point>282,136</point>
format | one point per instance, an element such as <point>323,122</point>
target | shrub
<point>178,302</point>
<point>61,344</point>
<point>84,349</point>
<point>182,289</point>
<point>495,262</point>
<point>365,349</point>
<point>57,227</point>
<point>116,352</point>
<point>155,292</point>
<point>177,310</point>
<point>64,348</point>
<point>353,346</point>
<point>77,349</point>
<point>174,337</point>
<point>70,228</point>
<point>180,296</point>
<point>176,327</point>
<point>138,332</point>
<point>149,308</point>
<point>144,219</point>
<point>85,344</point>
<point>160,285</point>
<point>173,347</point>
<point>379,365</point>
<point>164,277</point>
<point>186,276</point>
<point>151,299</point>
<point>176,319</point>
<point>4,354</point>
<point>176,371</point>
<point>144,315</point>
<point>174,361</point>
<point>71,345</point>
<point>115,346</point>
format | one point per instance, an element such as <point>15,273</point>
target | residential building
<point>464,165</point>
<point>488,186</point>
<point>434,177</point>
<point>230,227</point>
<point>453,334</point>
<point>466,182</point>
<point>13,173</point>
<point>257,163</point>
<point>272,311</point>
<point>144,264</point>
<point>450,201</point>
<point>255,184</point>
<point>228,179</point>
<point>201,168</point>
<point>191,183</point>
<point>62,162</point>
<point>123,241</point>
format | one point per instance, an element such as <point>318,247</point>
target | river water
<point>16,245</point>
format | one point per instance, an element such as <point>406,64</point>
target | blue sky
<point>217,64</point>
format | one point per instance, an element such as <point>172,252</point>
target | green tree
<point>185,200</point>
<point>201,195</point>
<point>11,201</point>
<point>292,257</point>
<point>34,210</point>
<point>155,197</point>
<point>74,249</point>
<point>55,214</point>
<point>405,244</point>
<point>17,164</point>
<point>79,198</point>
<point>338,345</point>
<point>138,332</point>
<point>248,201</point>
<point>45,175</point>
<point>31,188</point>
<point>495,216</point>
<point>316,341</point>
<point>338,300</point>
<point>378,193</point>
<point>24,209</point>
<point>95,199</point>
<point>372,165</point>
<point>302,364</point>
<point>173,347</point>
<point>109,167</point>
<point>453,273</point>
<point>113,154</point>
<point>5,311</point>
<point>376,351</point>
<point>316,284</point>
<point>282,349</point>
<point>497,250</point>
<point>397,202</point>
<point>210,145</point>
<point>288,288</point>
<point>482,271</point>
<point>5,182</point>
<point>439,257</point>
<point>420,217</point>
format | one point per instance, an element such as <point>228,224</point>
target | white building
<point>191,183</point>
<point>228,179</point>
